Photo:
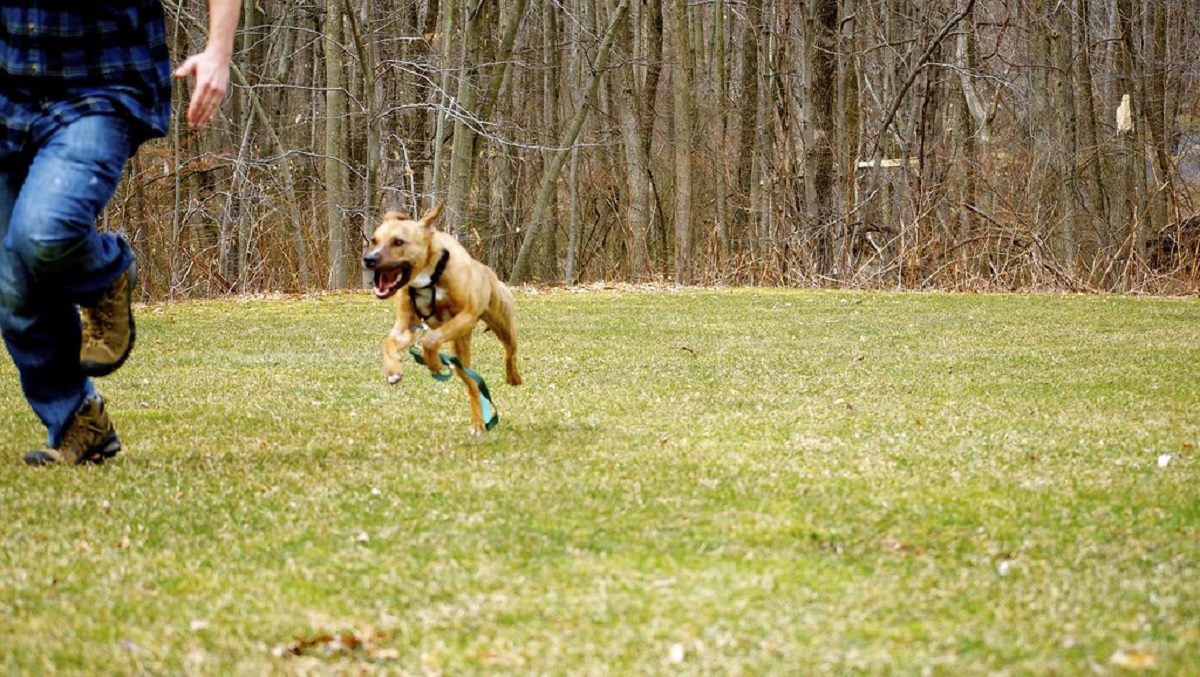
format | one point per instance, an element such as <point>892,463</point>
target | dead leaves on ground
<point>359,644</point>
<point>1133,659</point>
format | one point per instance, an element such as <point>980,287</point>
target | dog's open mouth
<point>388,282</point>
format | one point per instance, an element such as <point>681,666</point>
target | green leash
<point>489,409</point>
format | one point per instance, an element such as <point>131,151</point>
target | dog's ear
<point>432,214</point>
<point>397,216</point>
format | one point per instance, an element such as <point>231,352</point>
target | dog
<point>445,289</point>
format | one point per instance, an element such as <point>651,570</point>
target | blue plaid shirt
<point>71,58</point>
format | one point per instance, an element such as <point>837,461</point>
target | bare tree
<point>559,158</point>
<point>681,97</point>
<point>946,143</point>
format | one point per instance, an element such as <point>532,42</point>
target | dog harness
<point>415,294</point>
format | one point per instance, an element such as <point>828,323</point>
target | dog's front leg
<point>398,340</point>
<point>451,330</point>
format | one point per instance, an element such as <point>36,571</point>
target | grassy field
<point>725,482</point>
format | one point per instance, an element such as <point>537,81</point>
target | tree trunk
<point>1157,116</point>
<point>721,73</point>
<point>462,163</point>
<point>747,103</point>
<point>447,10</point>
<point>1095,195</point>
<point>550,176</point>
<point>635,144</point>
<point>848,134</point>
<point>1132,168</point>
<point>682,102</point>
<point>1062,59</point>
<point>335,135</point>
<point>368,56</point>
<point>821,42</point>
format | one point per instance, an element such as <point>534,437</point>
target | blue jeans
<point>53,186</point>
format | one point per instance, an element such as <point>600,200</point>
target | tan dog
<point>443,287</point>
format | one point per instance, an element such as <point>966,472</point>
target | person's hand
<point>211,72</point>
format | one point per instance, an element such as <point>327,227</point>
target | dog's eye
<point>397,242</point>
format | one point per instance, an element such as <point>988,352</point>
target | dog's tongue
<point>385,283</point>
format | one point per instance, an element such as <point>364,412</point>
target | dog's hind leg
<point>508,338</point>
<point>462,350</point>
<point>501,319</point>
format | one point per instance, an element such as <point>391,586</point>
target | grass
<point>724,482</point>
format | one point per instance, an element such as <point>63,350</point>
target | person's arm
<point>211,67</point>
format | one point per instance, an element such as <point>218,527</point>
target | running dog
<point>446,290</point>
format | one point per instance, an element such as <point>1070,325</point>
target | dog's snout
<point>371,260</point>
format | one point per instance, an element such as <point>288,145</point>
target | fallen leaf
<point>896,545</point>
<point>1133,659</point>
<point>328,642</point>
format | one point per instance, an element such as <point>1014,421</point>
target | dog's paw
<point>393,378</point>
<point>433,362</point>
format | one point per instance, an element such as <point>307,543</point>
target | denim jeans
<point>54,184</point>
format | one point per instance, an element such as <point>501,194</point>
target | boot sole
<point>107,449</point>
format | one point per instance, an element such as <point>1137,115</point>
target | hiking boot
<point>108,330</point>
<point>89,438</point>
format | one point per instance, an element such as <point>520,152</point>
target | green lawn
<point>724,482</point>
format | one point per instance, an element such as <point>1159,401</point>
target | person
<point>82,85</point>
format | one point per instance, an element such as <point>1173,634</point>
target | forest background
<point>951,144</point>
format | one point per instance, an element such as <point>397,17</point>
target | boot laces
<point>100,320</point>
<point>86,431</point>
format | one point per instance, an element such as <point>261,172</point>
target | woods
<point>951,144</point>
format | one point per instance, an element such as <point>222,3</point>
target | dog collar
<point>439,268</point>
